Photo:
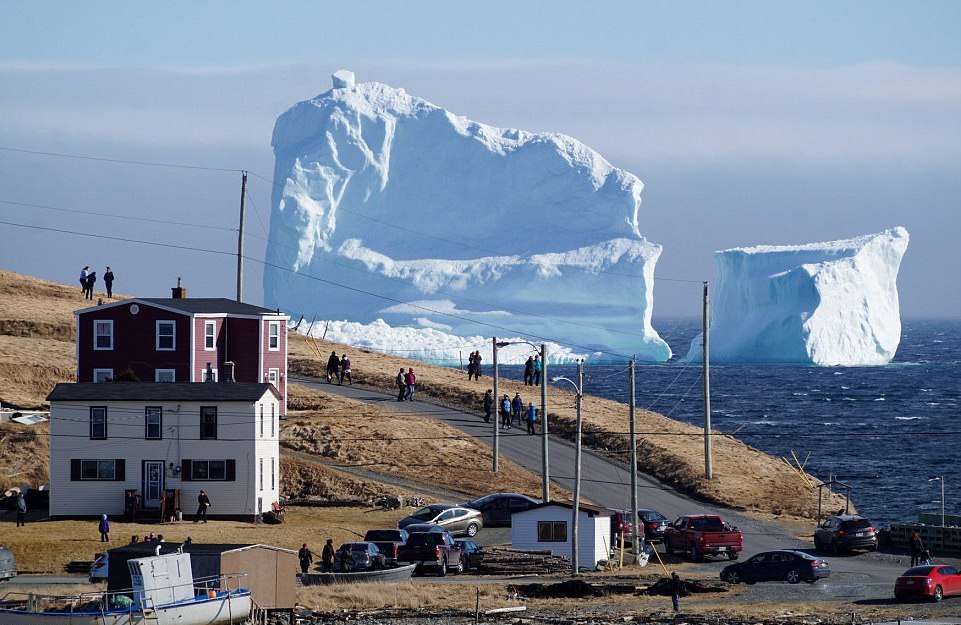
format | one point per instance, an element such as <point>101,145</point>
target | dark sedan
<point>654,524</point>
<point>471,553</point>
<point>786,565</point>
<point>498,507</point>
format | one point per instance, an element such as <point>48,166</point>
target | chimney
<point>228,371</point>
<point>178,292</point>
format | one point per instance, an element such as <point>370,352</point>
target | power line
<point>116,216</point>
<point>116,160</point>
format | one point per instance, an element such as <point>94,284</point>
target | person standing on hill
<point>108,282</point>
<point>410,380</point>
<point>333,367</point>
<point>477,365</point>
<point>537,371</point>
<point>104,528</point>
<point>91,280</point>
<point>21,510</point>
<point>506,413</point>
<point>531,417</point>
<point>345,370</point>
<point>401,385</point>
<point>529,371</point>
<point>327,557</point>
<point>471,364</point>
<point>305,557</point>
<point>517,410</point>
<point>83,279</point>
<point>677,588</point>
<point>488,405</point>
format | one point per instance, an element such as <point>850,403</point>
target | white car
<point>98,570</point>
<point>8,564</point>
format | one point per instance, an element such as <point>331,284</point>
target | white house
<point>106,439</point>
<point>547,526</point>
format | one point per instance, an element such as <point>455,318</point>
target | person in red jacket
<point>410,380</point>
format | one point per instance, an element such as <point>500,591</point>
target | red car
<point>933,582</point>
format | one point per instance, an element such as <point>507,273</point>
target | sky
<point>124,127</point>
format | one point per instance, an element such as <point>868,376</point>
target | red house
<point>182,339</point>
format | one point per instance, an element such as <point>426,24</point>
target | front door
<point>153,483</point>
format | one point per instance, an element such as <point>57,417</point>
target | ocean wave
<point>878,399</point>
<point>909,418</point>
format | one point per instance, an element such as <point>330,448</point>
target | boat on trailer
<point>396,574</point>
<point>164,592</point>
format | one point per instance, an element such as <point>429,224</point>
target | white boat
<point>164,593</point>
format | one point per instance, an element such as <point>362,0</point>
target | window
<point>102,334</point>
<point>273,473</point>
<point>273,336</point>
<point>213,470</point>
<point>272,375</point>
<point>261,474</point>
<point>208,422</point>
<point>552,531</point>
<point>153,423</point>
<point>98,422</point>
<point>273,417</point>
<point>165,375</point>
<point>105,470</point>
<point>261,420</point>
<point>166,335</point>
<point>102,375</point>
<point>210,335</point>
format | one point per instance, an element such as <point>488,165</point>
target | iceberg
<point>830,304</point>
<point>390,208</point>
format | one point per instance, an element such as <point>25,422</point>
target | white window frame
<point>261,419</point>
<point>148,413</point>
<point>273,336</point>
<point>273,419</point>
<point>273,377</point>
<point>109,324</point>
<point>98,423</point>
<point>158,373</point>
<point>173,335</point>
<point>210,336</point>
<point>273,473</point>
<point>261,473</point>
<point>102,375</point>
<point>106,470</point>
<point>194,474</point>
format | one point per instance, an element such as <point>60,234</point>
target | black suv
<point>845,532</point>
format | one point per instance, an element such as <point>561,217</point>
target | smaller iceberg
<point>829,304</point>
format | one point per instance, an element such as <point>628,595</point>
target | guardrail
<point>939,540</point>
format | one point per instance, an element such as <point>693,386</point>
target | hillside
<point>37,351</point>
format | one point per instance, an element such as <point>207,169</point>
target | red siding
<point>277,359</point>
<point>215,357</point>
<point>243,337</point>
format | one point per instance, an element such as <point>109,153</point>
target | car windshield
<point>918,571</point>
<point>424,514</point>
<point>425,538</point>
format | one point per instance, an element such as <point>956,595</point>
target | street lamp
<point>545,464</point>
<point>940,478</point>
<point>579,387</point>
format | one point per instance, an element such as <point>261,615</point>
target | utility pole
<point>240,240</point>
<point>545,464</point>
<point>577,470</point>
<point>497,404</point>
<point>708,463</point>
<point>633,418</point>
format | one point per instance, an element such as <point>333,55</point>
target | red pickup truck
<point>432,550</point>
<point>700,534</point>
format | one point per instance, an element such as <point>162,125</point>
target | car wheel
<point>695,554</point>
<point>460,566</point>
<point>733,577</point>
<point>443,569</point>
<point>793,576</point>
<point>472,530</point>
<point>938,594</point>
<point>732,555</point>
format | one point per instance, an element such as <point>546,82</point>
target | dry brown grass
<point>23,453</point>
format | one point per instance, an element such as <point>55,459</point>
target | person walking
<point>327,557</point>
<point>477,365</point>
<point>203,502</point>
<point>410,380</point>
<point>531,417</point>
<point>506,413</point>
<point>333,366</point>
<point>488,405</point>
<point>83,279</point>
<point>917,548</point>
<point>529,371</point>
<point>306,558</point>
<point>21,510</point>
<point>345,370</point>
<point>537,371</point>
<point>517,410</point>
<point>108,282</point>
<point>401,385</point>
<point>104,528</point>
<point>471,364</point>
<point>91,280</point>
<point>677,587</point>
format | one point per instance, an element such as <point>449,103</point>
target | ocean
<point>886,431</point>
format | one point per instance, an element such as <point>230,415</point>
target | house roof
<point>161,391</point>
<point>591,510</point>
<point>193,306</point>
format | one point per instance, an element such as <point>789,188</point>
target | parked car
<point>432,550</point>
<point>416,528</point>
<point>471,553</point>
<point>845,532</point>
<point>387,540</point>
<point>359,556</point>
<point>654,524</point>
<point>934,581</point>
<point>497,508</point>
<point>454,519</point>
<point>8,564</point>
<point>702,534</point>
<point>100,567</point>
<point>622,524</point>
<point>785,565</point>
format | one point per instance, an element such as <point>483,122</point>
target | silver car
<point>8,564</point>
<point>457,520</point>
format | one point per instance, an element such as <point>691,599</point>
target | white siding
<point>237,439</point>
<point>594,533</point>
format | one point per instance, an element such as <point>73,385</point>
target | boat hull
<point>398,574</point>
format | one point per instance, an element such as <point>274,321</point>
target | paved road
<point>608,484</point>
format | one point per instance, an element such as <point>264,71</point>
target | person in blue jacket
<point>531,417</point>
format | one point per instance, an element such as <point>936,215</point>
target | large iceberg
<point>388,207</point>
<point>832,303</point>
